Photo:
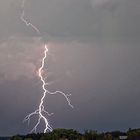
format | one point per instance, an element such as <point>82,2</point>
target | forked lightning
<point>41,109</point>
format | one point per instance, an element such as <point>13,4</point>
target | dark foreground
<point>70,134</point>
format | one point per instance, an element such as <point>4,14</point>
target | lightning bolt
<point>22,17</point>
<point>41,109</point>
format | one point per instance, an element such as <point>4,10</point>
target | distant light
<point>123,137</point>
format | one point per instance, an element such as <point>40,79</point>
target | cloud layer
<point>94,54</point>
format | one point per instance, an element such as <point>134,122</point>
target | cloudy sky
<point>94,48</point>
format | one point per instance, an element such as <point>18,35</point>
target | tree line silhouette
<point>70,134</point>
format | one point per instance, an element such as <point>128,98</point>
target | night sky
<point>94,48</point>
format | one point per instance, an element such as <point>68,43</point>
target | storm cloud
<point>94,55</point>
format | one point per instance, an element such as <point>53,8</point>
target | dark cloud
<point>76,19</point>
<point>94,54</point>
